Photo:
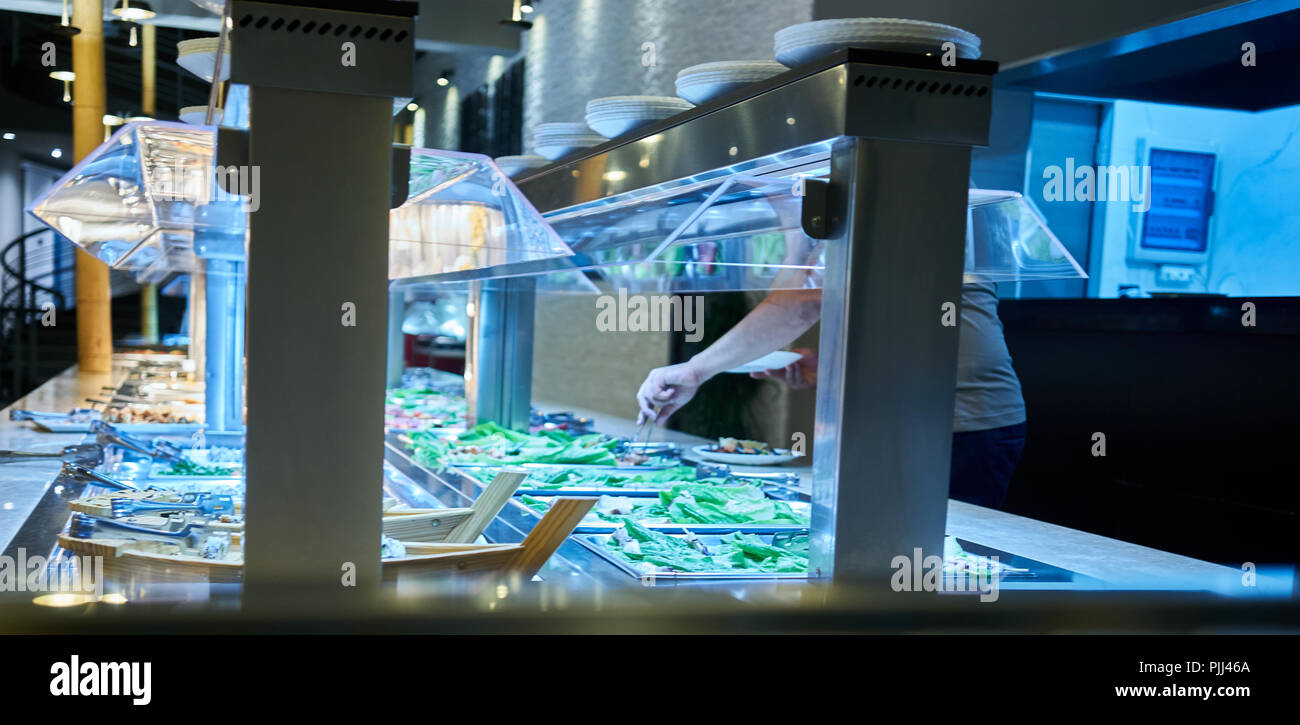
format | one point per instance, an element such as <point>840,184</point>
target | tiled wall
<point>584,49</point>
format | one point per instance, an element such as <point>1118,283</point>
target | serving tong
<point>43,415</point>
<point>89,454</point>
<point>106,434</point>
<point>194,535</point>
<point>722,470</point>
<point>207,504</point>
<point>77,472</point>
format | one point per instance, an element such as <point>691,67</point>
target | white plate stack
<point>554,140</point>
<point>704,82</point>
<point>199,56</point>
<point>514,165</point>
<point>806,42</point>
<point>617,115</point>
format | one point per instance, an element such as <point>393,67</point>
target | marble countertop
<point>23,484</point>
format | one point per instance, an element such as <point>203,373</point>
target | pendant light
<point>133,13</point>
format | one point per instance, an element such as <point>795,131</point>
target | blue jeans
<point>982,464</point>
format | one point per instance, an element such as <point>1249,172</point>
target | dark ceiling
<point>33,100</point>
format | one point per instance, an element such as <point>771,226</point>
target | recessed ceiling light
<point>56,153</point>
<point>413,106</point>
<point>9,136</point>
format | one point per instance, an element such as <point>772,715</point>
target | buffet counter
<point>1084,561</point>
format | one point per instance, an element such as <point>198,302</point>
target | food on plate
<point>421,408</point>
<point>149,414</point>
<point>739,445</point>
<point>655,551</point>
<point>491,444</point>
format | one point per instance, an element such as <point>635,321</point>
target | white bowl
<point>560,127</point>
<point>669,104</point>
<point>554,151</point>
<point>198,115</point>
<point>199,56</point>
<point>806,42</point>
<point>512,165</point>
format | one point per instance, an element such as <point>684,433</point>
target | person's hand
<point>800,374</point>
<point>667,388</point>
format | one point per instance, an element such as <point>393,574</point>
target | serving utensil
<point>106,434</point>
<point>77,472</point>
<point>202,503</point>
<point>41,415</point>
<point>89,454</point>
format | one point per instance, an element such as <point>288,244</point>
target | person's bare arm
<point>777,321</point>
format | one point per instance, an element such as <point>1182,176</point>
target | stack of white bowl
<point>554,140</point>
<point>617,115</point>
<point>199,56</point>
<point>515,165</point>
<point>806,42</point>
<point>706,81</point>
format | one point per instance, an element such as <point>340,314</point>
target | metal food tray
<point>593,524</point>
<point>596,543</point>
<point>533,490</point>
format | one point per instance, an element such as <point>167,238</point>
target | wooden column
<point>148,72</point>
<point>94,321</point>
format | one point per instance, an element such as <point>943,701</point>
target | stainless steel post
<point>396,340</point>
<point>894,258</point>
<point>224,373</point>
<point>499,351</point>
<point>321,88</point>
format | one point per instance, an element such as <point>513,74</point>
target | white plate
<point>198,114</point>
<point>782,455</point>
<point>770,361</point>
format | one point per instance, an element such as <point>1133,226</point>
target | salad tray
<point>598,544</point>
<point>592,523</point>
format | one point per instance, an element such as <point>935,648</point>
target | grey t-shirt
<point>988,391</point>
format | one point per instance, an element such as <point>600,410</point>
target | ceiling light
<point>9,136</point>
<point>526,8</point>
<point>67,77</point>
<point>56,153</point>
<point>444,78</point>
<point>127,10</point>
<point>442,81</point>
<point>111,120</point>
<point>412,106</point>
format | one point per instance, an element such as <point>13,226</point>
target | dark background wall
<point>1201,417</point>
